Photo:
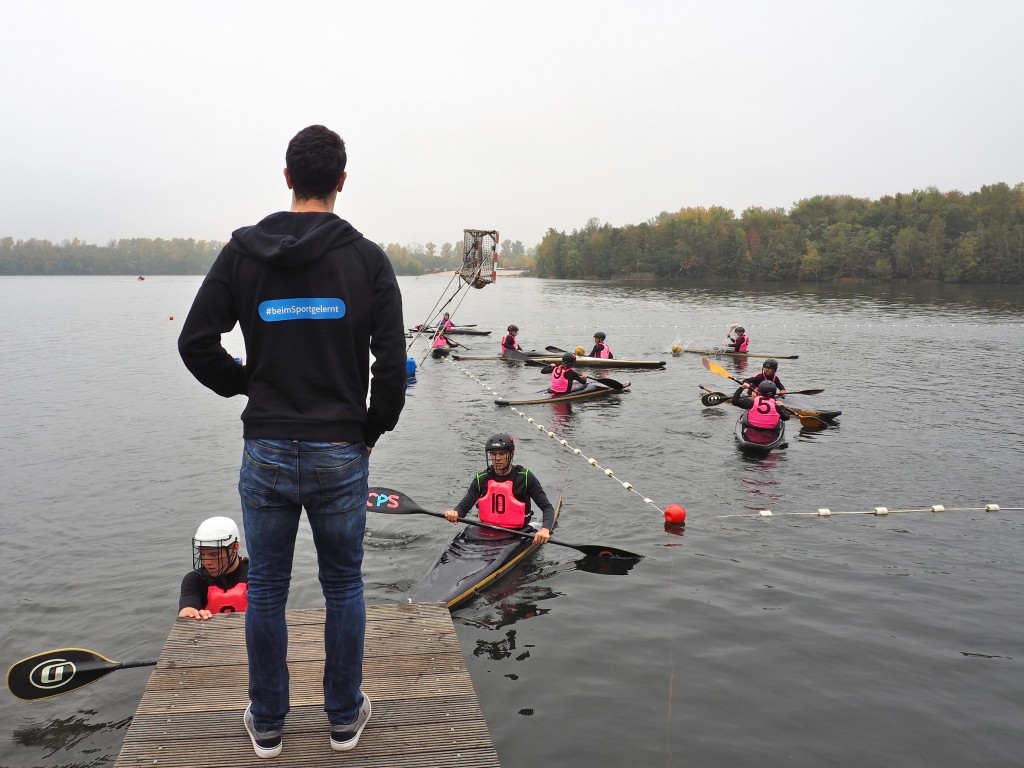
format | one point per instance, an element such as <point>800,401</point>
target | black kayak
<point>452,332</point>
<point>545,396</point>
<point>757,439</point>
<point>472,561</point>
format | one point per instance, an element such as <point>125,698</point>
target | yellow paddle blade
<point>715,368</point>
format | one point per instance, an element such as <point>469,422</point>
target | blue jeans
<point>277,479</point>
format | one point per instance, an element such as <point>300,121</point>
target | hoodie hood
<point>288,239</point>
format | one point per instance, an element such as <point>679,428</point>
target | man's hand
<point>199,614</point>
<point>542,536</point>
<point>451,516</point>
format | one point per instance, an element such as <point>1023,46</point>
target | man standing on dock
<point>313,298</point>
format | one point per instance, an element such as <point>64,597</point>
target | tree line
<point>180,256</point>
<point>924,235</point>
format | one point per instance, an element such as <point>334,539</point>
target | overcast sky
<point>170,119</point>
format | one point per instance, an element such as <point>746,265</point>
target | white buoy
<point>881,510</point>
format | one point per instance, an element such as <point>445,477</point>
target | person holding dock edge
<point>502,493</point>
<point>218,580</point>
<point>314,300</point>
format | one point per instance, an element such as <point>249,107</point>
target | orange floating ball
<point>674,513</point>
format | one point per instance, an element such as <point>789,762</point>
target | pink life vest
<point>763,414</point>
<point>499,506</point>
<point>446,325</point>
<point>559,384</point>
<point>439,341</point>
<point>515,344</point>
<point>744,344</point>
<point>232,600</point>
<point>605,352</point>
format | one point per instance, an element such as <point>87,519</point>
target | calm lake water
<point>797,640</point>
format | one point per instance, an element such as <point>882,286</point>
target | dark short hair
<point>316,159</point>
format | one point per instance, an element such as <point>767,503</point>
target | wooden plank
<point>425,711</point>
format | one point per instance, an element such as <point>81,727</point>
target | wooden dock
<point>425,711</point>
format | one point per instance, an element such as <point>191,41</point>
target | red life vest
<point>559,384</point>
<point>232,600</point>
<point>506,337</point>
<point>605,352</point>
<point>499,506</point>
<point>763,414</point>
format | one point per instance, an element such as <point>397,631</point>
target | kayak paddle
<point>718,370</point>
<point>807,418</point>
<point>392,502</point>
<point>52,673</point>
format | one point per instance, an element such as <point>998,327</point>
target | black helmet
<point>767,389</point>
<point>600,335</point>
<point>569,359</point>
<point>513,327</point>
<point>740,329</point>
<point>772,363</point>
<point>500,442</point>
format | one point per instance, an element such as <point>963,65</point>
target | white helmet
<point>216,532</point>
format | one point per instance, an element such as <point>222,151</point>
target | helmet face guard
<point>217,534</point>
<point>499,443</point>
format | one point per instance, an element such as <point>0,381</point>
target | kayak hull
<point>473,560</point>
<point>528,352</point>
<point>453,331</point>
<point>758,440</point>
<point>720,353</point>
<point>600,362</point>
<point>590,391</point>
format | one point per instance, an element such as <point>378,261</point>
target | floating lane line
<point>561,441</point>
<point>876,511</point>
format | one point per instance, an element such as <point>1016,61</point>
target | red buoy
<point>674,513</point>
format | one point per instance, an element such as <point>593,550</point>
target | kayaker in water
<point>503,492</point>
<point>765,413</point>
<point>768,373</point>
<point>741,342</point>
<point>601,349</point>
<point>563,375</point>
<point>443,342</point>
<point>508,341</point>
<point>218,581</point>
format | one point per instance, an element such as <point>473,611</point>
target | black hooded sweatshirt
<point>313,298</point>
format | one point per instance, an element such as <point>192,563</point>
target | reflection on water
<point>162,452</point>
<point>64,734</point>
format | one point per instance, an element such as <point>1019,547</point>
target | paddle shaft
<point>807,418</point>
<point>389,501</point>
<point>490,527</point>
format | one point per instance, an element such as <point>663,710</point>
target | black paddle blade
<point>556,350</point>
<point>600,551</point>
<point>714,398</point>
<point>607,566</point>
<point>52,673</point>
<point>392,502</point>
<point>611,383</point>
